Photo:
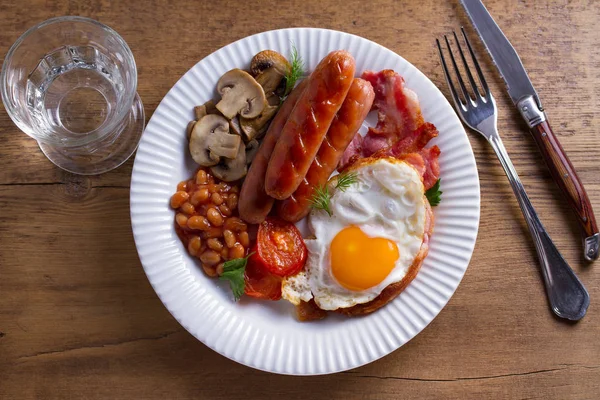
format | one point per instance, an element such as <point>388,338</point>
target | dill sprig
<point>321,198</point>
<point>295,72</point>
<point>345,180</point>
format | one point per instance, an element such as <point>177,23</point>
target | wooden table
<point>78,318</point>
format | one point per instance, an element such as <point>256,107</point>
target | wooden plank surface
<point>78,319</point>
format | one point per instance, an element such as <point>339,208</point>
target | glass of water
<point>70,83</point>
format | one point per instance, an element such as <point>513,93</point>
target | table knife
<point>528,103</point>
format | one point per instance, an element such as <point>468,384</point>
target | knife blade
<point>528,103</point>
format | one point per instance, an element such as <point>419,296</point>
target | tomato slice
<point>260,283</point>
<point>280,247</point>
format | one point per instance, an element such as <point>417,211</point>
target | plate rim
<point>176,313</point>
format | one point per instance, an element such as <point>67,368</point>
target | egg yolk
<point>359,262</point>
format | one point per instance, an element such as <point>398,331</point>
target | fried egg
<point>369,242</point>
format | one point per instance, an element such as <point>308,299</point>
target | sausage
<point>307,125</point>
<point>345,125</point>
<point>254,203</point>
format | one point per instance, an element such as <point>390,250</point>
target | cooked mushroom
<point>205,109</point>
<point>269,69</point>
<point>211,140</point>
<point>269,59</point>
<point>234,126</point>
<point>251,150</point>
<point>211,107</point>
<point>255,127</point>
<point>224,144</point>
<point>199,112</point>
<point>240,94</point>
<point>189,128</point>
<point>271,80</point>
<point>274,100</point>
<point>230,170</point>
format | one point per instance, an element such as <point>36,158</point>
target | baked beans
<point>210,271</point>
<point>198,222</point>
<point>200,196</point>
<point>226,211</point>
<point>235,224</point>
<point>216,199</point>
<point>237,251</point>
<point>214,244</point>
<point>201,177</point>
<point>181,220</point>
<point>207,221</point>
<point>214,216</point>
<point>220,268</point>
<point>232,201</point>
<point>182,186</point>
<point>188,208</point>
<point>179,198</point>
<point>210,257</point>
<point>194,245</point>
<point>229,238</point>
<point>244,239</point>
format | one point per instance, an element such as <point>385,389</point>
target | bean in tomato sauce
<point>207,221</point>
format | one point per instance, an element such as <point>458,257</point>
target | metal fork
<point>567,296</point>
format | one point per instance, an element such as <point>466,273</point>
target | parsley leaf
<point>434,194</point>
<point>233,271</point>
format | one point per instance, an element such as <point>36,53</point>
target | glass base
<point>103,157</point>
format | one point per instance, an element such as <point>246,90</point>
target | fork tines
<point>466,100</point>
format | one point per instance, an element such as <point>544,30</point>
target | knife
<point>528,103</point>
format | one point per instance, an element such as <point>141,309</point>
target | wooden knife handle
<point>565,176</point>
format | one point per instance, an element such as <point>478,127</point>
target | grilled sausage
<point>254,203</point>
<point>345,125</point>
<point>307,125</point>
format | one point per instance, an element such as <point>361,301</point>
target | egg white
<point>386,202</point>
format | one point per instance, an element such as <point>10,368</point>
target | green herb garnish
<point>345,180</point>
<point>322,196</point>
<point>296,71</point>
<point>434,194</point>
<point>320,199</point>
<point>233,271</point>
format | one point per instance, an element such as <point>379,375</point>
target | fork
<point>567,296</point>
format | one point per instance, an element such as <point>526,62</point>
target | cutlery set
<point>567,296</point>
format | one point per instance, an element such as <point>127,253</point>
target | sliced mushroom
<point>202,136</point>
<point>271,80</point>
<point>211,140</point>
<point>211,107</point>
<point>269,59</point>
<point>230,170</point>
<point>199,112</point>
<point>269,69</point>
<point>251,150</point>
<point>240,94</point>
<point>225,144</point>
<point>255,127</point>
<point>189,128</point>
<point>273,100</point>
<point>205,109</point>
<point>234,126</point>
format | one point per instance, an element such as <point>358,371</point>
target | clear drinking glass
<point>70,83</point>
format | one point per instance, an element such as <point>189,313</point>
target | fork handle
<point>564,175</point>
<point>568,297</point>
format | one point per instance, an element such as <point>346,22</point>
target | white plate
<point>266,335</point>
